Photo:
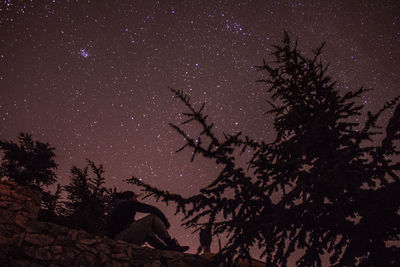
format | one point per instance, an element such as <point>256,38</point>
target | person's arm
<point>145,208</point>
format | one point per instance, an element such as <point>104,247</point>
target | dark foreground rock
<point>25,241</point>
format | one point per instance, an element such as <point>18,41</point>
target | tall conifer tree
<point>87,199</point>
<point>324,185</point>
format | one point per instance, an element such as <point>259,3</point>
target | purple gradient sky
<point>91,77</point>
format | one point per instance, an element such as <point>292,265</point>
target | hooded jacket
<point>124,213</point>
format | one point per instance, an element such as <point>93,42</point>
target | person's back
<point>124,214</point>
<point>120,218</point>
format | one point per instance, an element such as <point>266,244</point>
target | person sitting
<point>152,229</point>
<point>205,240</point>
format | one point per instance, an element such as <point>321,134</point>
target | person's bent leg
<point>161,231</point>
<point>159,228</point>
<point>137,232</point>
<point>155,242</point>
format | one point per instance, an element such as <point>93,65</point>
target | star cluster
<point>91,77</point>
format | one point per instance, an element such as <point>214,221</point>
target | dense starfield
<point>91,77</point>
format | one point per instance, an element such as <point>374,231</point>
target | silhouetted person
<point>151,229</point>
<point>205,240</point>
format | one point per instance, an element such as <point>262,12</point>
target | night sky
<point>91,77</point>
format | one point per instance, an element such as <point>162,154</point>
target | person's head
<point>127,195</point>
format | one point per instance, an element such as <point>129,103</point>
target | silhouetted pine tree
<point>335,190</point>
<point>88,199</point>
<point>51,206</point>
<point>29,162</point>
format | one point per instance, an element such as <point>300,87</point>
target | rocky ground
<point>25,241</point>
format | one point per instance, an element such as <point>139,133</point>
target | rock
<point>36,227</point>
<point>104,248</point>
<point>39,239</point>
<point>87,241</point>
<point>120,256</point>
<point>156,263</point>
<point>6,216</point>
<point>4,205</point>
<point>73,234</point>
<point>103,257</point>
<point>4,240</point>
<point>5,188</point>
<point>39,253</point>
<point>21,219</point>
<point>82,247</point>
<point>56,249</point>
